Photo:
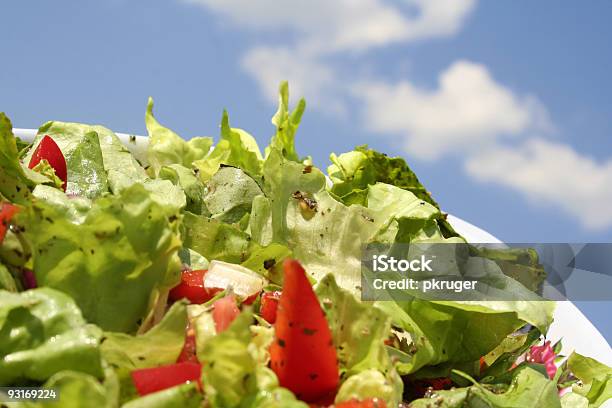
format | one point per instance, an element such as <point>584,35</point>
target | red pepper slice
<point>149,380</point>
<point>269,306</point>
<point>224,312</point>
<point>7,211</point>
<point>303,355</point>
<point>191,287</point>
<point>48,150</point>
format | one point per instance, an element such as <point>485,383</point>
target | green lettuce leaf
<point>159,346</point>
<point>43,332</point>
<point>230,194</point>
<point>215,239</point>
<point>192,259</point>
<point>81,149</point>
<point>184,396</point>
<point>234,373</point>
<point>528,388</point>
<point>7,280</point>
<point>73,208</point>
<point>191,185</point>
<point>275,398</point>
<point>573,400</point>
<point>115,262</point>
<point>244,151</point>
<point>371,384</point>
<point>283,178</point>
<point>286,123</point>
<point>236,148</point>
<point>47,172</point>
<point>359,331</point>
<point>14,184</point>
<point>268,261</point>
<point>452,331</point>
<point>167,148</point>
<point>75,390</point>
<point>352,172</point>
<point>228,374</point>
<point>595,377</point>
<point>202,322</point>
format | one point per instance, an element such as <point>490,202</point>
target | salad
<point>214,274</point>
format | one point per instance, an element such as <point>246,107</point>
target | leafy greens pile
<point>105,253</point>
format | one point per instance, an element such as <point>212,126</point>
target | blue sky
<point>502,108</point>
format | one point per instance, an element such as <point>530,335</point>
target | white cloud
<point>468,109</point>
<point>551,173</point>
<point>347,25</point>
<point>308,77</point>
<point>312,30</point>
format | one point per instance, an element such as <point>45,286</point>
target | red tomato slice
<point>191,287</point>
<point>367,403</point>
<point>303,354</point>
<point>224,312</point>
<point>48,150</point>
<point>7,211</point>
<point>149,380</point>
<point>269,306</point>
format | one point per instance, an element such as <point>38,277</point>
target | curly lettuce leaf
<point>43,332</point>
<point>167,148</point>
<point>395,171</point>
<point>112,264</point>
<point>286,123</point>
<point>244,151</point>
<point>235,148</point>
